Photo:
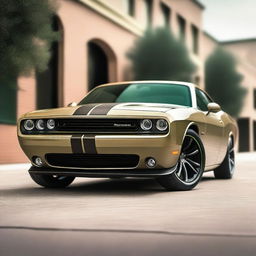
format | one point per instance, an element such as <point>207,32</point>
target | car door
<point>214,132</point>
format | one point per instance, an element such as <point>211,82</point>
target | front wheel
<point>52,181</point>
<point>190,166</point>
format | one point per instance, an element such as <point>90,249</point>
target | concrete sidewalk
<point>128,216</point>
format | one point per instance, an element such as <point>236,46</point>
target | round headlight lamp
<point>29,125</point>
<point>40,125</point>
<point>146,124</point>
<point>161,125</point>
<point>50,124</point>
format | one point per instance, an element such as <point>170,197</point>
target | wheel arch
<point>232,136</point>
<point>194,127</point>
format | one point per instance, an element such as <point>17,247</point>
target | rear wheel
<point>52,181</point>
<point>190,166</point>
<point>227,167</point>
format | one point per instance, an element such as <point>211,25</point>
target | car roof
<point>151,82</point>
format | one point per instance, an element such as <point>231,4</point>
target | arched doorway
<point>49,82</point>
<point>101,63</point>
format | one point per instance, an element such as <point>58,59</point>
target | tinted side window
<point>202,100</point>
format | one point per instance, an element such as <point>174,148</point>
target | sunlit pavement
<point>129,216</point>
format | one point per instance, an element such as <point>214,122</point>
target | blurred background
<point>53,52</point>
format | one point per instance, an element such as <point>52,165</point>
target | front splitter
<point>102,173</point>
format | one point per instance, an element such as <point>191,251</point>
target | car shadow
<point>118,187</point>
<point>125,187</point>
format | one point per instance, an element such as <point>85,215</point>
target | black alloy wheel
<point>190,166</point>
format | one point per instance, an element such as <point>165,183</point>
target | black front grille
<point>97,125</point>
<point>93,160</point>
<point>93,126</point>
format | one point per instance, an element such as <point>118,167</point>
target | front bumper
<point>159,147</point>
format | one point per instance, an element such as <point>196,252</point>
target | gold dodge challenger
<point>171,131</point>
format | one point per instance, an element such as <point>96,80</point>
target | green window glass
<point>202,100</point>
<point>8,102</point>
<point>141,92</point>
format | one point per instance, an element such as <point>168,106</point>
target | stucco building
<point>95,38</point>
<point>245,52</point>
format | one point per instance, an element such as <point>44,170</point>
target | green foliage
<point>159,55</point>
<point>223,82</point>
<point>26,34</point>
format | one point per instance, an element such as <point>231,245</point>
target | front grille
<point>97,125</point>
<point>93,160</point>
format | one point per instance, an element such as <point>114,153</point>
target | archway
<point>101,63</point>
<point>49,89</point>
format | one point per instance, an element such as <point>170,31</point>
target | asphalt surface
<point>129,216</point>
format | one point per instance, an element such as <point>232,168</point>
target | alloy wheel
<point>231,156</point>
<point>189,166</point>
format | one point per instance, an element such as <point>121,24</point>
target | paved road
<point>129,216</point>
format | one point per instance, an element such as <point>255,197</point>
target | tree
<point>26,34</point>
<point>159,55</point>
<point>223,82</point>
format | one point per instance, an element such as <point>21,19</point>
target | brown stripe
<point>84,110</point>
<point>76,144</point>
<point>103,109</point>
<point>89,145</point>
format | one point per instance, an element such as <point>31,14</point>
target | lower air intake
<point>93,160</point>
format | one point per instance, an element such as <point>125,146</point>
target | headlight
<point>50,124</point>
<point>29,125</point>
<point>161,125</point>
<point>40,125</point>
<point>146,124</point>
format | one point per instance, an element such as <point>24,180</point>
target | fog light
<point>151,162</point>
<point>38,161</point>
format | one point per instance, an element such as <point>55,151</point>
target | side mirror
<point>72,104</point>
<point>213,107</point>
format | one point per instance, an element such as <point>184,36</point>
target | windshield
<point>141,92</point>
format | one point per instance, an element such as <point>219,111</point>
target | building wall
<point>109,25</point>
<point>245,53</point>
<point>10,149</point>
<point>209,45</point>
<point>82,25</point>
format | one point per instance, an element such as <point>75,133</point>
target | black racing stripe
<point>85,109</point>
<point>76,144</point>
<point>89,145</point>
<point>103,109</point>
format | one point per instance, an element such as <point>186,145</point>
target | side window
<point>202,100</point>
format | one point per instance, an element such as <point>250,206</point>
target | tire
<point>190,166</point>
<point>227,167</point>
<point>52,181</point>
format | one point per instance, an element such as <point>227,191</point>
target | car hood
<point>104,109</point>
